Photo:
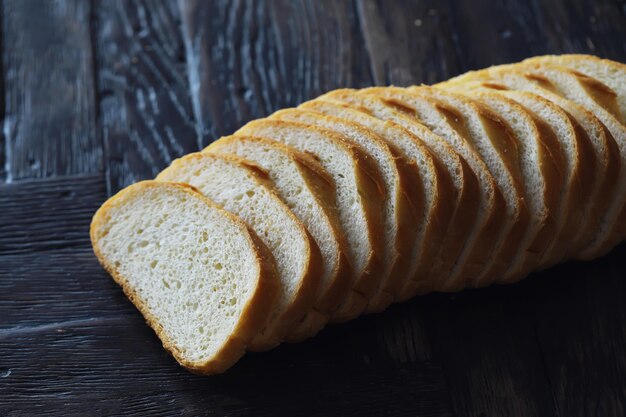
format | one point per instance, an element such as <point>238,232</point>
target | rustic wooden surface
<point>97,95</point>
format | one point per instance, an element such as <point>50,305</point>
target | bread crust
<point>255,312</point>
<point>584,214</point>
<point>592,95</point>
<point>593,67</point>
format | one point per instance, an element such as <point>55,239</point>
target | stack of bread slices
<point>362,198</point>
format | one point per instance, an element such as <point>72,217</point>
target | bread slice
<point>451,125</point>
<point>596,143</point>
<point>310,193</point>
<point>203,281</point>
<point>246,191</point>
<point>541,173</point>
<point>427,179</point>
<point>495,142</point>
<point>455,217</point>
<point>360,196</point>
<point>400,208</point>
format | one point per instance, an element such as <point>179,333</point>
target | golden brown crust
<point>549,172</point>
<point>372,190</point>
<point>441,216</point>
<point>254,313</point>
<point>411,202</point>
<point>553,165</point>
<point>593,72</point>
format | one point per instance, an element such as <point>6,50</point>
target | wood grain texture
<point>48,214</point>
<point>405,43</point>
<point>114,349</point>
<point>144,99</point>
<point>490,33</point>
<point>250,58</point>
<point>582,336</point>
<point>49,124</point>
<point>75,289</point>
<point>101,94</point>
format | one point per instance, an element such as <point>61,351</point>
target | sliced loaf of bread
<point>202,279</point>
<point>569,147</point>
<point>310,193</point>
<point>245,190</point>
<point>360,197</point>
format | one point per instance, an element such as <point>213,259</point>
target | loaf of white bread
<point>362,198</point>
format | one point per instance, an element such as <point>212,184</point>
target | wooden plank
<point>49,214</point>
<point>247,59</point>
<point>50,113</point>
<point>580,322</point>
<point>405,43</point>
<point>595,27</point>
<point>486,342</point>
<point>490,33</point>
<point>551,345</point>
<point>143,91</point>
<point>77,369</point>
<point>41,291</point>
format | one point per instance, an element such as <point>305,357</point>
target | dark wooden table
<point>97,95</point>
